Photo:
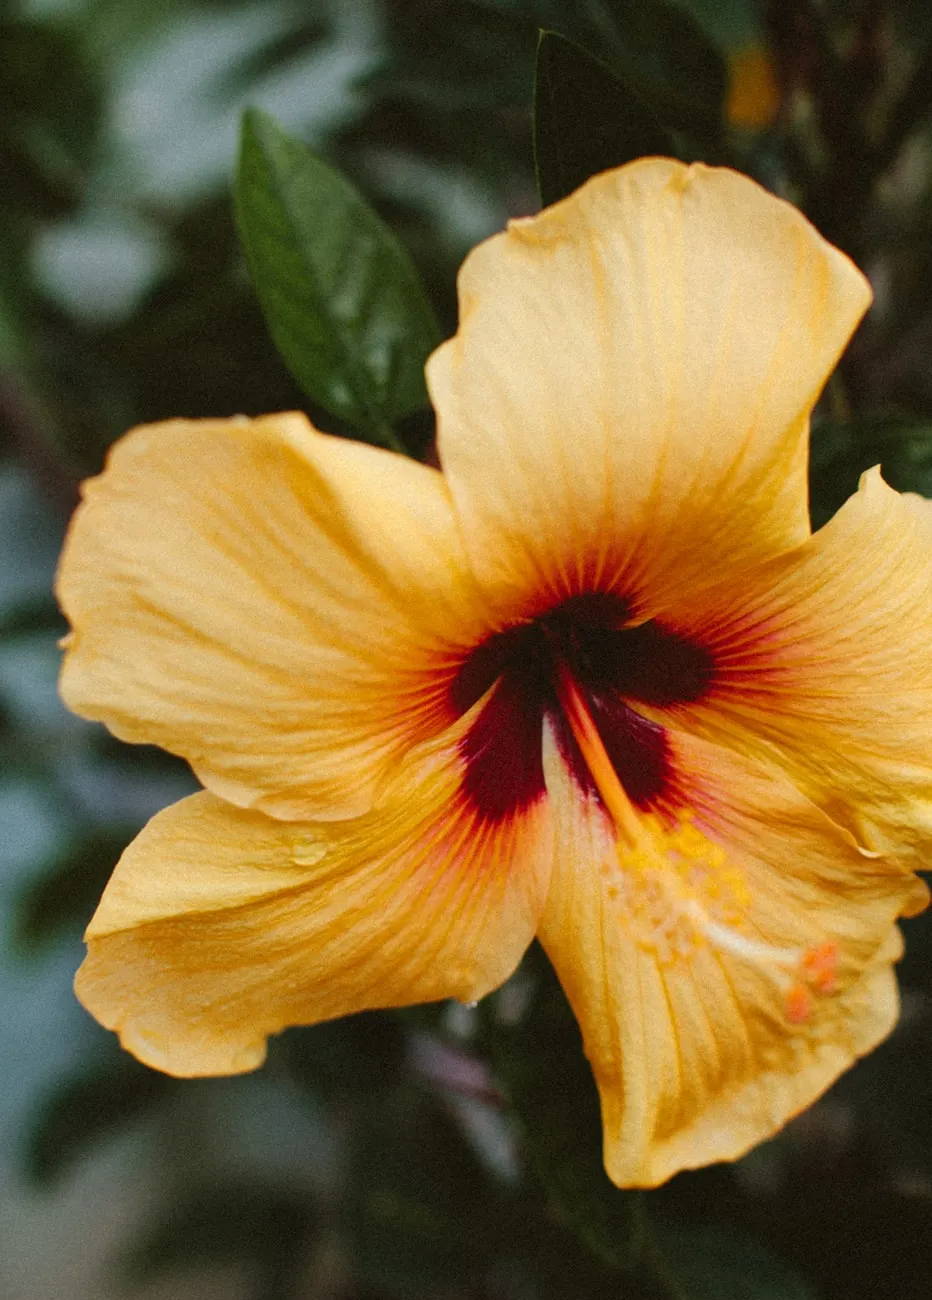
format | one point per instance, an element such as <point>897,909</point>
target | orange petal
<point>625,403</point>
<point>824,667</point>
<point>688,953</point>
<point>268,602</point>
<point>221,926</point>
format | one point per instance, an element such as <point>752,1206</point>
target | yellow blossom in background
<point>753,99</point>
<point>593,680</point>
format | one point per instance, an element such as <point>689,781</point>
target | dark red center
<point>614,667</point>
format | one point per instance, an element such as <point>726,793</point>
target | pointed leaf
<point>341,297</point>
<point>585,119</point>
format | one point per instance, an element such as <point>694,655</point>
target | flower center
<point>581,667</point>
<point>585,641</point>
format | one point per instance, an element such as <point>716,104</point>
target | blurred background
<point>374,1159</point>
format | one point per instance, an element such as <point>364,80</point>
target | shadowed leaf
<point>666,57</point>
<point>422,1215</point>
<point>47,140</point>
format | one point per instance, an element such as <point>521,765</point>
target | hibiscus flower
<point>593,680</point>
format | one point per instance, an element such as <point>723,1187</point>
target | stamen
<point>814,969</point>
<point>677,887</point>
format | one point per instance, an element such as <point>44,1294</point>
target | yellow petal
<point>266,601</point>
<point>824,667</point>
<point>625,403</point>
<point>725,969</point>
<point>221,926</point>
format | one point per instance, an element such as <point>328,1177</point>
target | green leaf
<point>340,295</point>
<point>712,1263</point>
<point>585,119</point>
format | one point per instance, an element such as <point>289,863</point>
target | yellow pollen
<point>676,888</point>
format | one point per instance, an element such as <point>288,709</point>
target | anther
<point>798,1004</point>
<point>821,966</point>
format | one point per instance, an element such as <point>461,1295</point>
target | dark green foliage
<point>84,1109</point>
<point>361,1056</point>
<point>665,57</point>
<point>716,1263</point>
<point>585,119</point>
<point>352,1168</point>
<point>842,452</point>
<point>46,141</point>
<point>63,896</point>
<point>199,343</point>
<point>422,1210</point>
<point>540,1062</point>
<point>248,1223</point>
<point>341,296</point>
